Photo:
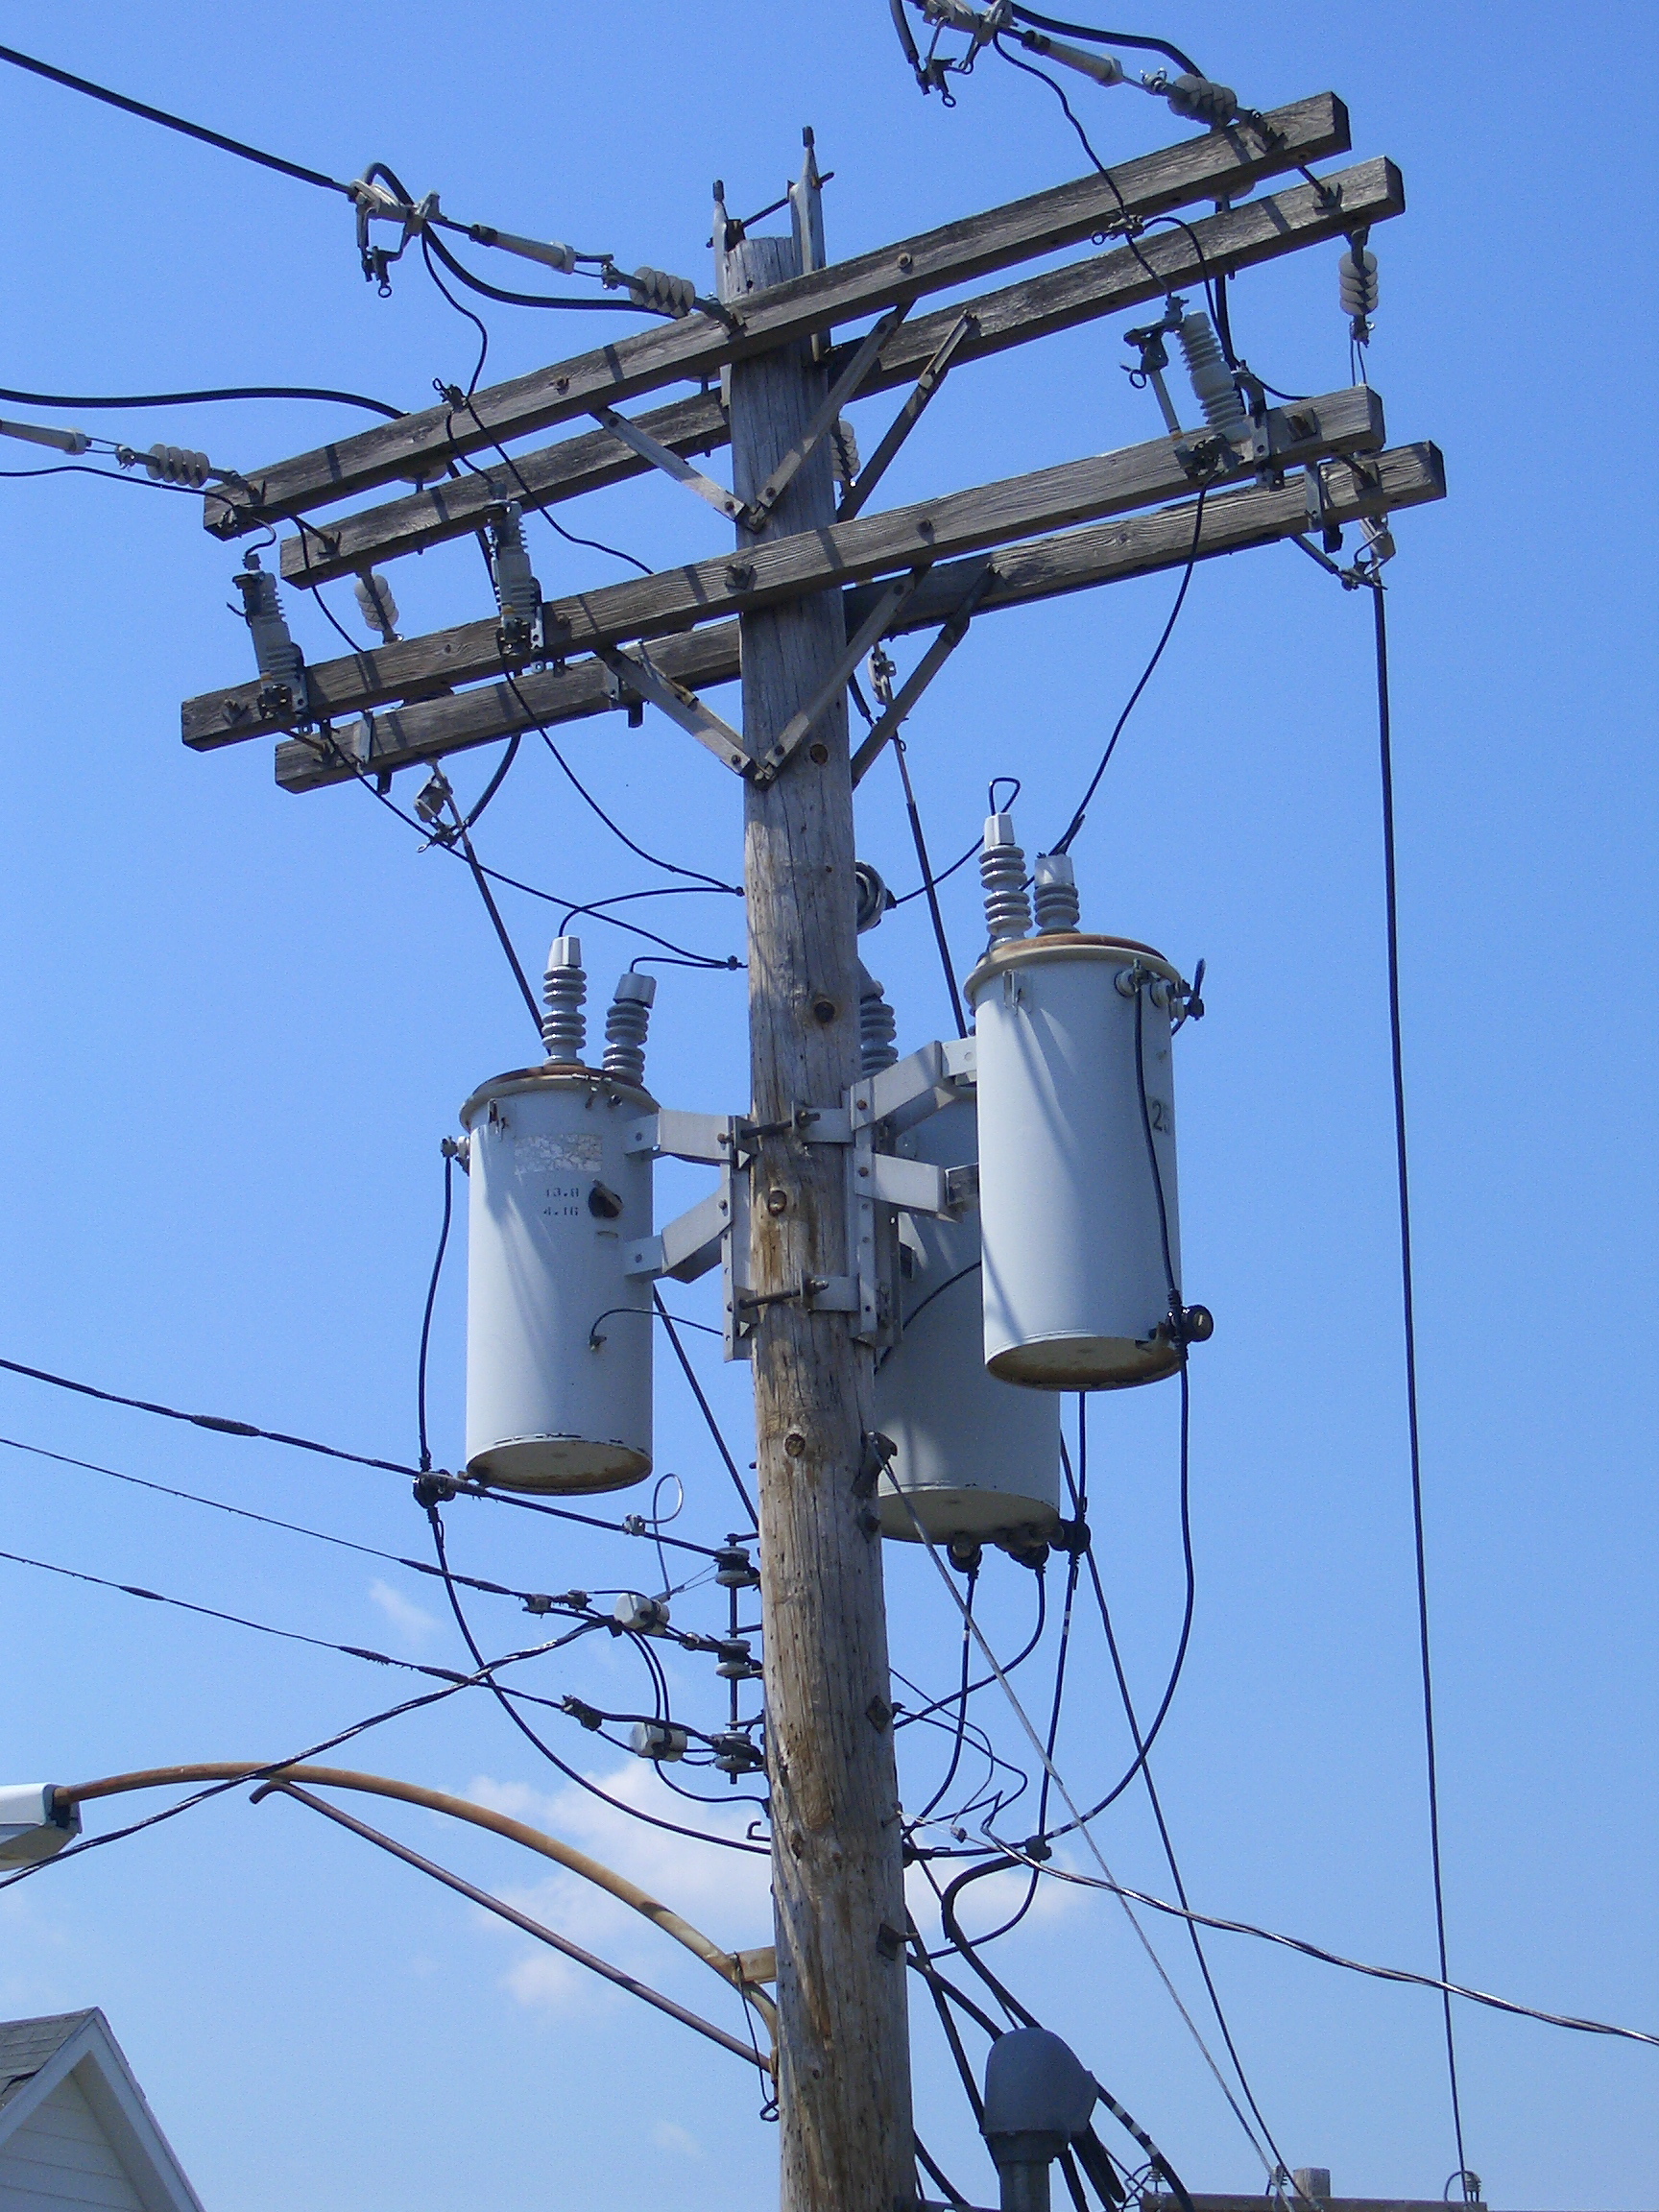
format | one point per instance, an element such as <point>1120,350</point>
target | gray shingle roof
<point>26,2046</point>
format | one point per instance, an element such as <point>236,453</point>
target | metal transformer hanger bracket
<point>881,1186</point>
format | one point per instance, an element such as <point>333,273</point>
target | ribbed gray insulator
<point>564,988</point>
<point>844,447</point>
<point>657,288</point>
<point>178,465</point>
<point>274,652</point>
<point>1212,382</point>
<point>1357,276</point>
<point>626,1023</point>
<point>877,1026</point>
<point>516,590</point>
<point>1055,885</point>
<point>1003,872</point>
<point>1201,100</point>
<point>375,603</point>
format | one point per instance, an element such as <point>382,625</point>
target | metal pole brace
<point>631,678</point>
<point>671,464</point>
<point>854,499</point>
<point>949,637</point>
<point>841,393</point>
<point>874,625</point>
<point>1319,508</point>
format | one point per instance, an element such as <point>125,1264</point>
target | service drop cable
<point>1392,905</point>
<point>1336,1958</point>
<point>260,1773</point>
<point>1087,1833</point>
<point>214,1421</point>
<point>194,398</point>
<point>431,1301</point>
<point>571,1773</point>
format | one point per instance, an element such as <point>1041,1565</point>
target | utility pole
<point>837,1874</point>
<point>807,593</point>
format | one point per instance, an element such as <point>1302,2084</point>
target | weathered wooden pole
<point>844,2080</point>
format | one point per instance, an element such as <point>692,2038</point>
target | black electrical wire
<point>1076,821</point>
<point>241,1621</point>
<point>431,1301</point>
<point>944,877</point>
<point>276,1766</point>
<point>1074,1567</point>
<point>1391,908</point>
<point>571,1773</point>
<point>668,867</point>
<point>1059,91</point>
<point>1030,1644</point>
<point>502,770</point>
<point>476,320</point>
<point>936,2174</point>
<point>148,114</point>
<point>194,398</point>
<point>214,1421</point>
<point>960,1701</point>
<point>111,476</point>
<point>1326,1957</point>
<point>265,1520</point>
<point>500,929</point>
<point>930,887</point>
<point>528,298</point>
<point>582,1520</point>
<point>539,506</point>
<point>1107,37</point>
<point>703,1406</point>
<point>1077,1506</point>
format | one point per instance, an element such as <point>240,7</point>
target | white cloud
<point>412,1621</point>
<point>726,1895</point>
<point>667,2137</point>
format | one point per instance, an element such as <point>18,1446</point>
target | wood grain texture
<point>1059,299</point>
<point>837,1876</point>
<point>767,571</point>
<point>1215,165</point>
<point>1045,568</point>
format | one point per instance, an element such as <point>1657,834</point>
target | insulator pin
<point>564,990</point>
<point>1055,885</point>
<point>1002,873</point>
<point>877,1026</point>
<point>1212,384</point>
<point>626,1021</point>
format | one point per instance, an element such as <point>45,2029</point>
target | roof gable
<point>70,2111</point>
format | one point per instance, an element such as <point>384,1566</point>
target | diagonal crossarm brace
<point>671,464</point>
<point>635,678</point>
<point>886,611</point>
<point>949,637</point>
<point>965,326</point>
<point>841,394</point>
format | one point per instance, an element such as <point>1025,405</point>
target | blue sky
<point>238,1024</point>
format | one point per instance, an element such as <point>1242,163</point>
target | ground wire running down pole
<point>1385,758</point>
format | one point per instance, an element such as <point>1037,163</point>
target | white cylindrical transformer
<point>975,1456</point>
<point>558,1337</point>
<point>1082,1251</point>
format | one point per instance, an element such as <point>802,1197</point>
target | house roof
<point>26,2045</point>
<point>38,2057</point>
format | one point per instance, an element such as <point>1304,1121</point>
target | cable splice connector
<point>877,1026</point>
<point>1055,884</point>
<point>564,990</point>
<point>278,657</point>
<point>1212,385</point>
<point>1002,873</point>
<point>626,1021</point>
